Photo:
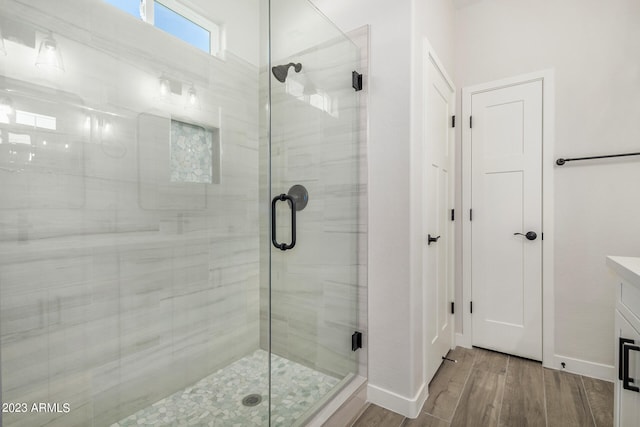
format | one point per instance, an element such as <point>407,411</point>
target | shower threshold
<point>217,400</point>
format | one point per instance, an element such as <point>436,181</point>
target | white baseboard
<point>463,340</point>
<point>573,365</point>
<point>582,367</point>
<point>410,408</point>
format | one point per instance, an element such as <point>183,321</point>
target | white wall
<point>389,87</point>
<point>395,334</point>
<point>593,47</point>
<point>435,20</point>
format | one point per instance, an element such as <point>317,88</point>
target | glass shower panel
<point>129,233</point>
<point>314,161</point>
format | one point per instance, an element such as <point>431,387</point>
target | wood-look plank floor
<point>482,396</point>
<point>523,403</point>
<point>488,389</point>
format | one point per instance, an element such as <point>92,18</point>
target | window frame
<point>216,33</point>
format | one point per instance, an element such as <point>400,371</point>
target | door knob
<point>531,235</point>
<point>431,240</point>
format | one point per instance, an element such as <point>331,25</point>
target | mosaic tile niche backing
<point>191,153</point>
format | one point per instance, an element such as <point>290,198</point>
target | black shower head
<point>280,71</point>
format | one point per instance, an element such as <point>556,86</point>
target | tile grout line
<point>466,381</point>
<point>504,385</point>
<point>544,396</point>
<point>593,417</point>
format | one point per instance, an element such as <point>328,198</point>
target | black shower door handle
<point>292,205</point>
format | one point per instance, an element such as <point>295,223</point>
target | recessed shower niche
<point>193,153</point>
<point>177,160</point>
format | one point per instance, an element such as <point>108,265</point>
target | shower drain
<point>252,400</point>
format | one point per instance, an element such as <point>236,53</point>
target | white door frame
<point>547,77</point>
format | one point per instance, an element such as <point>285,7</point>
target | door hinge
<point>471,306</point>
<point>453,307</point>
<point>356,340</point>
<point>453,214</point>
<point>356,81</point>
<point>453,121</point>
<point>470,214</point>
<point>471,122</point>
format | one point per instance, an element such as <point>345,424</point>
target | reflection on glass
<point>6,109</point>
<point>49,55</point>
<point>164,87</point>
<point>192,97</point>
<point>3,51</point>
<point>35,120</point>
<point>143,10</point>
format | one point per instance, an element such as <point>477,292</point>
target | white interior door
<point>506,139</point>
<point>437,203</point>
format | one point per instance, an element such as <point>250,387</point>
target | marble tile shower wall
<point>318,287</point>
<point>118,287</point>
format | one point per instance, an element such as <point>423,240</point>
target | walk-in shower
<point>138,280</point>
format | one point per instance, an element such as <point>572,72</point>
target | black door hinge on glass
<point>356,81</point>
<point>356,340</point>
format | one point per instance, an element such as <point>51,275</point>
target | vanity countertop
<point>626,267</point>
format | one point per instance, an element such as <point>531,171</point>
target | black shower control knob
<point>531,235</point>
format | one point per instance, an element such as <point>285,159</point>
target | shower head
<point>280,71</point>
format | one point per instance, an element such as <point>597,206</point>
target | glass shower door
<point>314,201</point>
<point>129,222</point>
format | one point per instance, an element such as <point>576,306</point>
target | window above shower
<point>178,20</point>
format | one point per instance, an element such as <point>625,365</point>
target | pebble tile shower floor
<point>217,399</point>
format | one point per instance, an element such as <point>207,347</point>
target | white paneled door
<point>438,184</point>
<point>506,219</point>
